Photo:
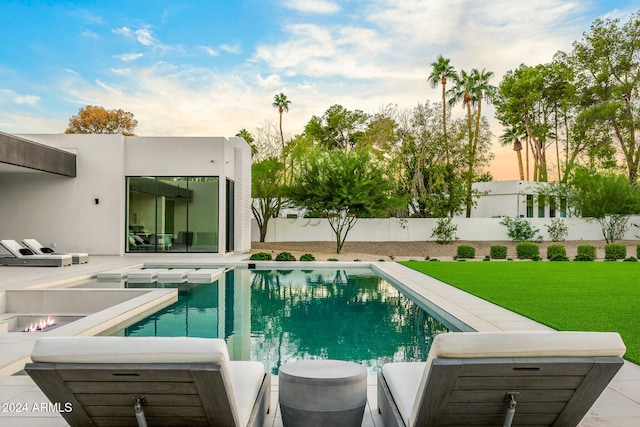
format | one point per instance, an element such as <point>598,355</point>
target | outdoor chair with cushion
<point>39,249</point>
<point>500,378</point>
<point>19,255</point>
<point>162,381</point>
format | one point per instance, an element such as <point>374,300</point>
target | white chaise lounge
<point>499,378</point>
<point>24,256</point>
<point>165,381</point>
<point>39,249</point>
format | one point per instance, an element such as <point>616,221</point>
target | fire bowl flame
<point>40,325</point>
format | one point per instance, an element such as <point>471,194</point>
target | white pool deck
<point>618,406</point>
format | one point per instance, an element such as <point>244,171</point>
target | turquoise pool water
<point>277,316</point>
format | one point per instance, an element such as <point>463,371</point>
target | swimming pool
<point>285,315</point>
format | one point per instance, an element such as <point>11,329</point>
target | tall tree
<point>441,71</point>
<point>606,61</point>
<point>93,119</point>
<point>246,135</point>
<point>338,128</point>
<point>266,192</point>
<point>342,186</point>
<point>281,102</point>
<point>470,89</point>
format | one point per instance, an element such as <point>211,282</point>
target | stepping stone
<point>145,275</point>
<point>205,275</point>
<point>115,275</point>
<point>175,275</point>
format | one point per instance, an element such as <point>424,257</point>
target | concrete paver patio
<point>618,406</point>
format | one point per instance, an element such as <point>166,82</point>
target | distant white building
<point>112,194</point>
<point>517,199</point>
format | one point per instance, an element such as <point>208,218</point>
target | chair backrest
<point>97,380</point>
<point>34,245</point>
<point>556,377</point>
<point>13,247</point>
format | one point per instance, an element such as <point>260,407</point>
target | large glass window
<point>172,214</point>
<point>541,205</point>
<point>529,206</point>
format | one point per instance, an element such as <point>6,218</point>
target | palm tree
<point>441,70</point>
<point>281,102</point>
<point>513,135</point>
<point>244,134</point>
<point>471,89</point>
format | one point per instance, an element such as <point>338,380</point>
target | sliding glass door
<point>172,214</point>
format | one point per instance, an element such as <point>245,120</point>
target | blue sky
<point>212,67</point>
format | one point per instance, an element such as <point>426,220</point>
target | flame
<point>40,325</point>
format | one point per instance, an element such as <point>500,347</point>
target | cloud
<point>231,48</point>
<point>269,82</point>
<point>88,34</point>
<point>313,6</point>
<point>144,36</point>
<point>17,98</point>
<point>127,57</point>
<point>209,50</point>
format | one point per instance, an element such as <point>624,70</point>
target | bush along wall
<point>260,256</point>
<point>466,251</point>
<point>638,251</point>
<point>615,251</point>
<point>557,253</point>
<point>586,253</point>
<point>528,250</point>
<point>498,252</point>
<point>285,256</point>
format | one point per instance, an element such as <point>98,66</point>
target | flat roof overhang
<point>28,154</point>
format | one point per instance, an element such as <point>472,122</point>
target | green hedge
<point>586,253</point>
<point>638,251</point>
<point>307,257</point>
<point>614,251</point>
<point>528,250</point>
<point>260,256</point>
<point>556,253</point>
<point>285,256</point>
<point>498,252</point>
<point>466,251</point>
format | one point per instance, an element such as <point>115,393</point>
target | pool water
<point>286,315</point>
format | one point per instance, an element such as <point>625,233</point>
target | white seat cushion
<point>129,350</point>
<point>403,380</point>
<point>246,378</point>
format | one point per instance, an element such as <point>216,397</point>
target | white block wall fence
<point>420,229</point>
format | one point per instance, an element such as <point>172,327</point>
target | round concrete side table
<point>322,393</point>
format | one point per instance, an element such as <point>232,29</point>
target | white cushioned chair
<point>164,380</point>
<point>496,378</point>
<point>24,256</point>
<point>39,249</point>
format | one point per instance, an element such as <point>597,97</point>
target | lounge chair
<point>24,256</point>
<point>162,381</point>
<point>496,378</point>
<point>39,249</point>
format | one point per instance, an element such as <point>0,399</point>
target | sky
<point>212,67</point>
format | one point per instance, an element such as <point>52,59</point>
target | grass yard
<point>567,296</point>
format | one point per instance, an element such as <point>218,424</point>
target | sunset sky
<point>212,67</point>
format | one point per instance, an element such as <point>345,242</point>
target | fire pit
<point>40,325</point>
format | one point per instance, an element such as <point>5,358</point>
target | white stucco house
<point>112,194</point>
<point>517,199</point>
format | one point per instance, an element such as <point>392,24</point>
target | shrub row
<point>555,252</point>
<point>282,256</point>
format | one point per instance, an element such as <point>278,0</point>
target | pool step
<point>145,275</point>
<point>175,275</point>
<point>205,275</point>
<point>115,275</point>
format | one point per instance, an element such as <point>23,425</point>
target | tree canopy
<point>341,186</point>
<point>93,119</point>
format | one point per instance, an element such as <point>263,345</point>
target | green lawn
<point>568,296</point>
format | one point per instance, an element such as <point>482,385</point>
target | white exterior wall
<point>242,207</point>
<point>62,210</point>
<point>420,229</point>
